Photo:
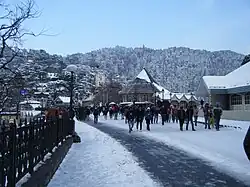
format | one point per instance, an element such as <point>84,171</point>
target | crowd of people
<point>134,115</point>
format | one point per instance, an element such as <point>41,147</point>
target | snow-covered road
<point>165,156</point>
<point>99,161</point>
<point>166,161</point>
<point>223,150</point>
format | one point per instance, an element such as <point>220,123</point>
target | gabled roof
<point>144,74</point>
<point>143,83</point>
<point>237,78</point>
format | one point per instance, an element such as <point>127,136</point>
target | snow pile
<point>99,161</point>
<point>222,149</point>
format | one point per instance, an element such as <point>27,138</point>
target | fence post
<point>31,143</point>
<point>12,174</point>
<point>57,131</point>
<point>3,143</point>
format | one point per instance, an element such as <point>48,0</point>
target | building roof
<point>237,78</point>
<point>64,99</point>
<point>144,74</point>
<point>30,102</point>
<point>143,83</point>
<point>177,96</point>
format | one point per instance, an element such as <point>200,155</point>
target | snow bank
<point>222,149</point>
<point>99,161</point>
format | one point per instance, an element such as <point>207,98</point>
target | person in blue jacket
<point>247,144</point>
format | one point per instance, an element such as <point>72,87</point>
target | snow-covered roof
<point>34,106</point>
<point>144,75</point>
<point>160,88</point>
<point>30,102</point>
<point>45,93</point>
<point>64,99</point>
<point>90,98</point>
<point>177,96</point>
<point>237,78</point>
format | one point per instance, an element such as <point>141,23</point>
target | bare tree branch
<point>12,32</point>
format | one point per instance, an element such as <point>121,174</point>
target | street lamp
<point>170,94</point>
<point>191,98</point>
<point>162,91</point>
<point>72,69</point>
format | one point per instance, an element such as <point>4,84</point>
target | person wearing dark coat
<point>163,115</point>
<point>181,117</point>
<point>189,116</point>
<point>105,113</point>
<point>246,144</point>
<point>131,118</point>
<point>217,115</point>
<point>139,117</point>
<point>156,114</point>
<point>148,116</point>
<point>96,114</point>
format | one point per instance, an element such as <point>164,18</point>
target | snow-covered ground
<point>222,149</point>
<point>99,161</point>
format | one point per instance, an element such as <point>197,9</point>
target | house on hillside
<point>30,108</point>
<point>231,90</point>
<point>62,101</point>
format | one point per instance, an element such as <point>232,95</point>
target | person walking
<point>156,114</point>
<point>181,117</point>
<point>139,117</point>
<point>96,114</point>
<point>206,116</point>
<point>190,113</point>
<point>131,119</point>
<point>148,116</point>
<point>196,113</point>
<point>105,113</point>
<point>217,116</point>
<point>163,114</point>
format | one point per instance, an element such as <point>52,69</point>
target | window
<point>236,100</point>
<point>247,98</point>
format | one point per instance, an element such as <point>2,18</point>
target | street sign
<point>24,92</point>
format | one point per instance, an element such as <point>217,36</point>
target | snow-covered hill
<point>176,68</point>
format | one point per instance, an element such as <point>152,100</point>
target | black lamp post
<point>170,94</point>
<point>72,69</point>
<point>162,91</point>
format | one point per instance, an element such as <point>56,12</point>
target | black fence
<point>24,145</point>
